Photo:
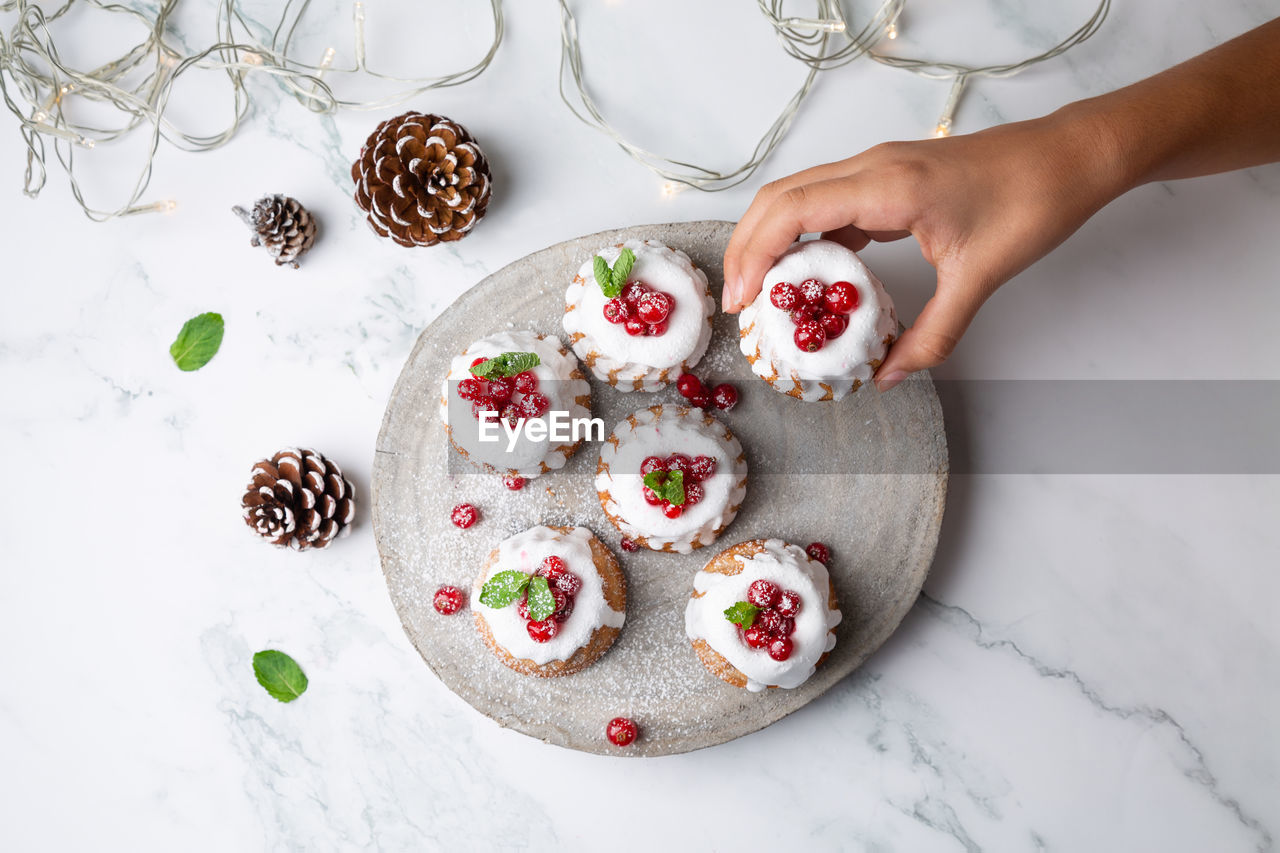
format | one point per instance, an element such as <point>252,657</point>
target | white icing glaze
<point>662,431</point>
<point>524,552</point>
<point>641,363</point>
<point>555,378</point>
<point>790,568</point>
<point>841,362</point>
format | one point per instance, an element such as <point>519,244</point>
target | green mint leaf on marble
<point>506,364</point>
<point>743,614</point>
<point>541,602</point>
<point>197,342</point>
<point>503,588</point>
<point>612,281</point>
<point>667,485</point>
<point>279,675</point>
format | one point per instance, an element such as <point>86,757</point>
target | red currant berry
<point>636,328</point>
<point>657,330</point>
<point>811,291</point>
<point>633,291</point>
<point>688,385</point>
<point>702,399</point>
<point>672,511</point>
<point>809,336</point>
<point>786,627</point>
<point>481,405</point>
<point>500,389</point>
<point>818,551</point>
<point>526,382</point>
<point>562,614</point>
<point>653,463</point>
<point>703,467</point>
<point>654,306</point>
<point>534,405</point>
<point>522,608</point>
<point>616,311</point>
<point>834,325</point>
<point>464,515</point>
<point>756,637</point>
<point>479,361</point>
<point>515,484</point>
<point>725,396</point>
<point>780,648</point>
<point>683,464</point>
<point>692,494</point>
<point>621,731</point>
<point>547,629</point>
<point>561,598</point>
<point>769,621</point>
<point>840,298</point>
<point>552,567</point>
<point>650,496</point>
<point>788,603</point>
<point>448,600</point>
<point>511,414</point>
<point>629,545</point>
<point>469,389</point>
<point>763,593</point>
<point>568,583</point>
<point>803,313</point>
<point>784,295</point>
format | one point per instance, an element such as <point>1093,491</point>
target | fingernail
<point>733,291</point>
<point>884,383</point>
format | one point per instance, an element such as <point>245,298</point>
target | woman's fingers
<point>934,335</point>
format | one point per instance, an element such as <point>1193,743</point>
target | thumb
<point>933,337</point>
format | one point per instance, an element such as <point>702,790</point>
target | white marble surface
<point>1095,664</point>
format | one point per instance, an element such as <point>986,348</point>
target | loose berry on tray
<point>515,484</point>
<point>763,593</point>
<point>703,467</point>
<point>702,399</point>
<point>621,731</point>
<point>811,291</point>
<point>788,603</point>
<point>629,545</point>
<point>547,629</point>
<point>809,336</point>
<point>689,385</point>
<point>448,600</point>
<point>784,296</point>
<point>818,551</point>
<point>725,396</point>
<point>840,298</point>
<point>780,648</point>
<point>464,515</point>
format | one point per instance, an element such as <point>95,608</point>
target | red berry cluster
<point>819,311</point>
<point>775,623</point>
<point>621,731</point>
<point>514,398</point>
<point>694,471</point>
<point>564,586</point>
<point>640,309</point>
<point>448,600</point>
<point>723,396</point>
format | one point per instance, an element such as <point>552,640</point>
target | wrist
<point>1097,147</point>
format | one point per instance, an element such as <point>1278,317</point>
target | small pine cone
<point>299,499</point>
<point>422,179</point>
<point>281,224</point>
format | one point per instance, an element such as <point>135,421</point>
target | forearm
<point>1214,113</point>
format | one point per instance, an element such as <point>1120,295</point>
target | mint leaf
<point>622,268</point>
<point>506,364</point>
<point>197,342</point>
<point>541,602</point>
<point>743,614</point>
<point>279,675</point>
<point>503,588</point>
<point>604,277</point>
<point>667,485</point>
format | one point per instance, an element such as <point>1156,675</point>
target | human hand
<point>983,207</point>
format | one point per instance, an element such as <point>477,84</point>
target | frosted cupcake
<point>821,325</point>
<point>639,314</point>
<point>550,601</point>
<point>671,478</point>
<point>763,614</point>
<point>524,377</point>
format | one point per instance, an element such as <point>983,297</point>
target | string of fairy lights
<point>46,94</point>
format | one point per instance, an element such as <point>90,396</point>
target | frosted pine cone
<point>299,499</point>
<point>283,225</point>
<point>422,179</point>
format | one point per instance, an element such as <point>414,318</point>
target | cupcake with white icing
<point>671,478</point>
<point>639,314</point>
<point>550,601</point>
<point>763,614</point>
<point>524,377</point>
<point>820,326</point>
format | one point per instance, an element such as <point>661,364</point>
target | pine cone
<point>281,224</point>
<point>299,499</point>
<point>422,179</point>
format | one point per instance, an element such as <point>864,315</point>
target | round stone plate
<point>867,476</point>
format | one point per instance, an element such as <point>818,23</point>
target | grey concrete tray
<point>867,476</point>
